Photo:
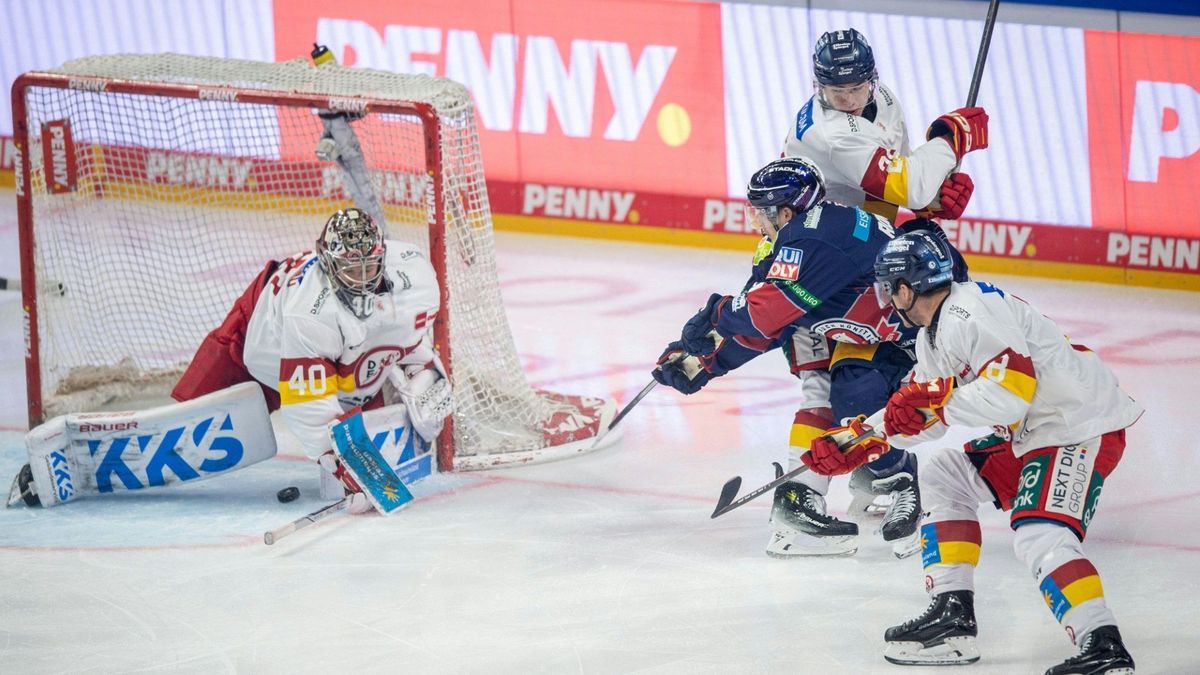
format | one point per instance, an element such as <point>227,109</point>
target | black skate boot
<point>866,500</point>
<point>944,635</point>
<point>801,526</point>
<point>24,489</point>
<point>903,515</point>
<point>1102,653</point>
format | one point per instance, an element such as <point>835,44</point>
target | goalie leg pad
<point>82,454</point>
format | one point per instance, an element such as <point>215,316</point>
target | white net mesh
<point>175,202</point>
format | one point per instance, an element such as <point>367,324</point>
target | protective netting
<point>152,210</point>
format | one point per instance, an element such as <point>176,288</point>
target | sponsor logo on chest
<point>786,265</point>
<point>370,366</point>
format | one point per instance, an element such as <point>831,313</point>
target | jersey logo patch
<point>804,120</point>
<point>862,225</point>
<point>786,265</point>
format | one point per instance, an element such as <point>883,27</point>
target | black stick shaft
<point>981,58</point>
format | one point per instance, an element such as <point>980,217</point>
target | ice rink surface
<point>606,563</point>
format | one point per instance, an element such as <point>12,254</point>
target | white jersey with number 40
<point>324,360</point>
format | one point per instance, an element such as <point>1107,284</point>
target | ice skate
<point>867,502</point>
<point>802,528</point>
<point>944,635</point>
<point>24,489</point>
<point>1101,653</point>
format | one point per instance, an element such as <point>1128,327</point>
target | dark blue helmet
<point>793,182</point>
<point>843,57</point>
<point>919,259</point>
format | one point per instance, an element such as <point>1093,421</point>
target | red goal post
<point>151,188</point>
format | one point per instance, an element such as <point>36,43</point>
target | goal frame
<point>435,204</point>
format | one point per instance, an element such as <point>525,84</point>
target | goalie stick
<point>727,503</point>
<point>269,538</point>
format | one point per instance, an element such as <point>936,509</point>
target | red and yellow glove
<point>917,407</point>
<point>965,129</point>
<point>835,452</point>
<point>952,197</point>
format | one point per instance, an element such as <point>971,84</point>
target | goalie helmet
<point>351,253</point>
<point>919,259</point>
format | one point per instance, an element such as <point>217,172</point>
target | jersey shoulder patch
<point>804,119</point>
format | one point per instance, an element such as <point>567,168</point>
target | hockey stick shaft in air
<point>981,58</point>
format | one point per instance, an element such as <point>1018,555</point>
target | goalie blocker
<point>91,454</point>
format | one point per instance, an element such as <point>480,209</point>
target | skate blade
<point>14,493</point>
<point>792,544</point>
<point>953,651</point>
<point>907,546</point>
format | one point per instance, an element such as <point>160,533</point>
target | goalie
<point>321,333</point>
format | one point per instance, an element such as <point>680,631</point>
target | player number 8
<point>996,369</point>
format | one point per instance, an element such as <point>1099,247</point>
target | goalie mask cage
<point>151,189</point>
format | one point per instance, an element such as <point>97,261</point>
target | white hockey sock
<point>1067,580</point>
<point>951,491</point>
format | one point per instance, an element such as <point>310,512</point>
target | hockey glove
<point>965,129</point>
<point>833,453</point>
<point>952,197</point>
<point>680,370</point>
<point>427,398</point>
<point>917,407</point>
<point>698,336</point>
<point>358,501</point>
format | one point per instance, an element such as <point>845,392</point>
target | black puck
<point>288,494</point>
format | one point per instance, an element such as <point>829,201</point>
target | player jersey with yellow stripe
<point>866,160</point>
<point>324,360</point>
<point>1015,367</point>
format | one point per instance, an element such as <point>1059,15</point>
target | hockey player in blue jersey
<point>813,270</point>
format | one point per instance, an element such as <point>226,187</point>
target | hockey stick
<point>717,340</point>
<point>726,502</point>
<point>624,411</point>
<point>322,513</point>
<point>981,58</point>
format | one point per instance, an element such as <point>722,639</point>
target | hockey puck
<point>288,494</point>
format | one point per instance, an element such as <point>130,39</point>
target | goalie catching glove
<point>427,397</point>
<point>917,407</point>
<point>835,452</point>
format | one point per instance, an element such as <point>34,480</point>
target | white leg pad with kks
<point>83,454</point>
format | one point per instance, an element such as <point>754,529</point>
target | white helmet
<point>351,251</point>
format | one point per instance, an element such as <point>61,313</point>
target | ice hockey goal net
<point>151,188</point>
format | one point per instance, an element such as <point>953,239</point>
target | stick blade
<point>728,492</point>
